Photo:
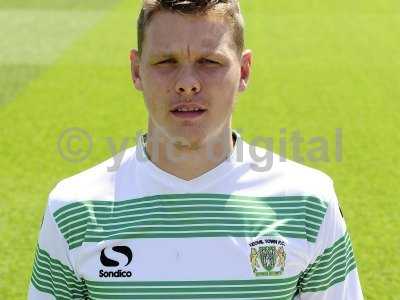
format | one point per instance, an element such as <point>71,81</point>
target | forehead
<point>172,32</point>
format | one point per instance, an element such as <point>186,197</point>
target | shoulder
<point>95,183</point>
<point>289,177</point>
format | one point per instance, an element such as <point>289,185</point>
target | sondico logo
<point>108,262</point>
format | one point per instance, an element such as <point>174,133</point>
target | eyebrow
<point>218,54</point>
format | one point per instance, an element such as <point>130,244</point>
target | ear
<point>245,68</point>
<point>135,69</point>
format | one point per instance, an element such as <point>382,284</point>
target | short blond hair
<point>229,9</point>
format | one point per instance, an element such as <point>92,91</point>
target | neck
<point>189,161</point>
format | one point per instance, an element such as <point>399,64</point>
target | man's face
<point>189,73</point>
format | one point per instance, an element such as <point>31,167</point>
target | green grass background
<point>318,65</point>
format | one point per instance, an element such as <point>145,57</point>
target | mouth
<point>188,111</point>
<point>188,114</point>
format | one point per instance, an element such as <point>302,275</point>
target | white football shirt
<point>238,231</point>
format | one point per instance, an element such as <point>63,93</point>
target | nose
<point>187,84</point>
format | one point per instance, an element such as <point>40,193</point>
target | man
<point>188,215</point>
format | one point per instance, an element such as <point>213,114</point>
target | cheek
<point>224,84</point>
<point>227,77</point>
<point>154,103</point>
<point>156,91</point>
<point>153,82</point>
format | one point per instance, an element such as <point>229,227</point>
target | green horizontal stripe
<point>209,226</point>
<point>101,209</point>
<point>196,283</point>
<point>330,255</point>
<point>57,281</point>
<point>48,264</point>
<point>194,290</point>
<point>232,289</point>
<point>192,221</point>
<point>331,267</point>
<point>174,216</point>
<point>83,226</point>
<point>337,277</point>
<point>52,277</point>
<point>206,295</point>
<point>103,217</point>
<point>191,215</point>
<point>100,213</point>
<point>291,201</point>
<point>48,289</point>
<point>327,264</point>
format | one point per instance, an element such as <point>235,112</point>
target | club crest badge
<point>268,257</point>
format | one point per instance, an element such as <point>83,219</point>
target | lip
<point>189,106</point>
<point>188,115</point>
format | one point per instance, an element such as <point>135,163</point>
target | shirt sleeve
<point>332,272</point>
<point>53,276</point>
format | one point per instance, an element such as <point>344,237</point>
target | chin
<point>189,137</point>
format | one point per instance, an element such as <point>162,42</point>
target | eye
<point>167,61</point>
<point>208,61</point>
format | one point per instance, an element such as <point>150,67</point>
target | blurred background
<point>320,68</point>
